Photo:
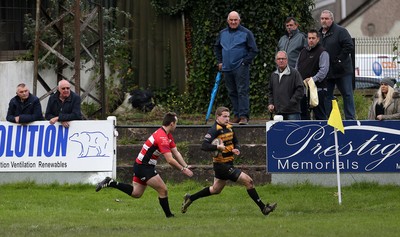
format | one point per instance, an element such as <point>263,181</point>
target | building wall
<point>336,8</point>
<point>380,20</point>
<point>13,73</point>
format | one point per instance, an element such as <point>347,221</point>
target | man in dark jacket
<point>285,89</point>
<point>64,105</point>
<point>24,107</point>
<point>339,45</point>
<point>313,64</point>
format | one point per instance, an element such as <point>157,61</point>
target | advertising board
<point>42,147</point>
<point>308,147</point>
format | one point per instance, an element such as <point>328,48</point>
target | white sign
<point>87,145</point>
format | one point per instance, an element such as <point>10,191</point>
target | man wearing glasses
<point>64,105</point>
<point>285,89</point>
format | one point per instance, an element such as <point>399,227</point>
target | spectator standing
<point>235,49</point>
<point>64,105</point>
<point>339,45</point>
<point>24,107</point>
<point>285,89</point>
<point>386,103</point>
<point>160,142</point>
<point>313,64</point>
<point>293,41</point>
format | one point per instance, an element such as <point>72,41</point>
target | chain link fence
<point>375,59</point>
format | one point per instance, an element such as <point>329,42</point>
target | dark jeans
<point>345,86</point>
<point>237,83</point>
<point>294,116</point>
<point>319,111</point>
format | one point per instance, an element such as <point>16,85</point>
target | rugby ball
<point>217,141</point>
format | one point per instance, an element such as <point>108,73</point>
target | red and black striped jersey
<point>158,143</point>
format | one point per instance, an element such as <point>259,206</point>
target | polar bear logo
<point>93,144</point>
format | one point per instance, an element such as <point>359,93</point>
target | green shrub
<point>203,21</point>
<point>362,102</point>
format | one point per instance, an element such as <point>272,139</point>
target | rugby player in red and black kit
<point>160,142</point>
<point>223,163</point>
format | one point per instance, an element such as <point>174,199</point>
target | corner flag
<point>335,120</point>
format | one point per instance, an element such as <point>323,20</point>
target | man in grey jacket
<point>285,89</point>
<point>293,41</point>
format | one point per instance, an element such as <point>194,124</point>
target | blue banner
<point>309,147</point>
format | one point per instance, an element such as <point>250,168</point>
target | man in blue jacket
<point>235,49</point>
<point>24,107</point>
<point>339,45</point>
<point>64,105</point>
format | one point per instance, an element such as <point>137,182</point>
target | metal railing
<point>375,58</point>
<point>376,45</point>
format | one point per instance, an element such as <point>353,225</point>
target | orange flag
<point>335,120</point>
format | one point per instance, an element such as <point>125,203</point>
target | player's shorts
<point>142,173</point>
<point>226,171</point>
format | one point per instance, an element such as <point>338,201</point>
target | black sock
<point>202,193</point>
<point>126,188</point>
<point>254,195</point>
<point>165,206</point>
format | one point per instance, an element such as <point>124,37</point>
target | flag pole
<point>335,120</point>
<point>337,167</point>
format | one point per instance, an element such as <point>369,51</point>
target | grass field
<point>28,209</point>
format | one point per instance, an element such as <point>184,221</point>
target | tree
<point>204,19</point>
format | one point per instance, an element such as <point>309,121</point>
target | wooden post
<point>60,47</point>
<point>104,107</point>
<point>36,49</point>
<point>77,47</point>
